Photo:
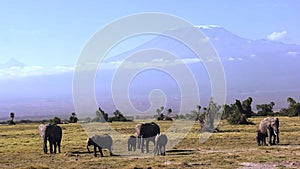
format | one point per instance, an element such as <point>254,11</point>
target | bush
<point>236,114</point>
<point>55,120</point>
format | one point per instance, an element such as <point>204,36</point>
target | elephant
<point>260,139</point>
<point>53,134</point>
<point>102,142</point>
<point>131,143</point>
<point>161,141</point>
<point>270,128</point>
<point>146,131</point>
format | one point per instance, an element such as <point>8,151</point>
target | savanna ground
<point>233,147</point>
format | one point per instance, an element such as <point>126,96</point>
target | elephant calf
<point>260,139</point>
<point>160,144</point>
<point>131,143</point>
<point>100,141</point>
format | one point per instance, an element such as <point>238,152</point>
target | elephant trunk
<point>276,136</point>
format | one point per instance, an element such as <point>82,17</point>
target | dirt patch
<point>272,165</point>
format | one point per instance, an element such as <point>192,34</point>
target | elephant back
<point>104,141</point>
<point>149,130</point>
<point>53,131</point>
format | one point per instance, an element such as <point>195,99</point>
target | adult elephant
<point>53,134</point>
<point>101,142</point>
<point>270,128</point>
<point>146,131</point>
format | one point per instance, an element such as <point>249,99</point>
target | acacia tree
<point>160,115</point>
<point>73,118</point>
<point>265,109</point>
<point>293,109</point>
<point>12,116</point>
<point>101,116</point>
<point>237,113</point>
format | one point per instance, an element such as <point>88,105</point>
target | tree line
<point>235,113</point>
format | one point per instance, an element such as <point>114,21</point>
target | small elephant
<point>53,134</point>
<point>260,139</point>
<point>101,142</point>
<point>270,128</point>
<point>161,141</point>
<point>131,143</point>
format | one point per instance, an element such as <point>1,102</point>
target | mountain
<point>11,63</point>
<point>263,69</point>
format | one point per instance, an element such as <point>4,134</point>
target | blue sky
<point>52,33</point>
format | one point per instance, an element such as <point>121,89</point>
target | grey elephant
<point>260,139</point>
<point>101,142</point>
<point>270,128</point>
<point>53,134</point>
<point>161,141</point>
<point>131,143</point>
<point>146,131</point>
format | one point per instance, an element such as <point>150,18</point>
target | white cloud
<point>231,59</point>
<point>27,71</point>
<point>160,62</point>
<point>208,26</point>
<point>292,53</point>
<point>276,36</point>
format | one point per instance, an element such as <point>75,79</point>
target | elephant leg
<point>139,141</point>
<point>142,145</point>
<point>128,147</point>
<point>163,150</point>
<point>274,138</point>
<point>45,146</point>
<point>51,147</point>
<point>147,146</point>
<point>58,145</point>
<point>55,146</point>
<point>110,151</point>
<point>95,151</point>
<point>156,150</point>
<point>264,141</point>
<point>100,150</point>
<point>269,137</point>
<point>258,140</point>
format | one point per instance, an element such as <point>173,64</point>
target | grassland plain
<point>233,147</point>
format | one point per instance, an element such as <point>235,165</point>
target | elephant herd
<point>145,132</point>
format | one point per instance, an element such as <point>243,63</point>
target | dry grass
<point>21,147</point>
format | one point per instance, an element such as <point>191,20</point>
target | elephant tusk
<point>275,133</point>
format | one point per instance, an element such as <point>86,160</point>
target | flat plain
<point>234,146</point>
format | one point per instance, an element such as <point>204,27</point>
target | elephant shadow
<point>86,152</point>
<point>175,152</point>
